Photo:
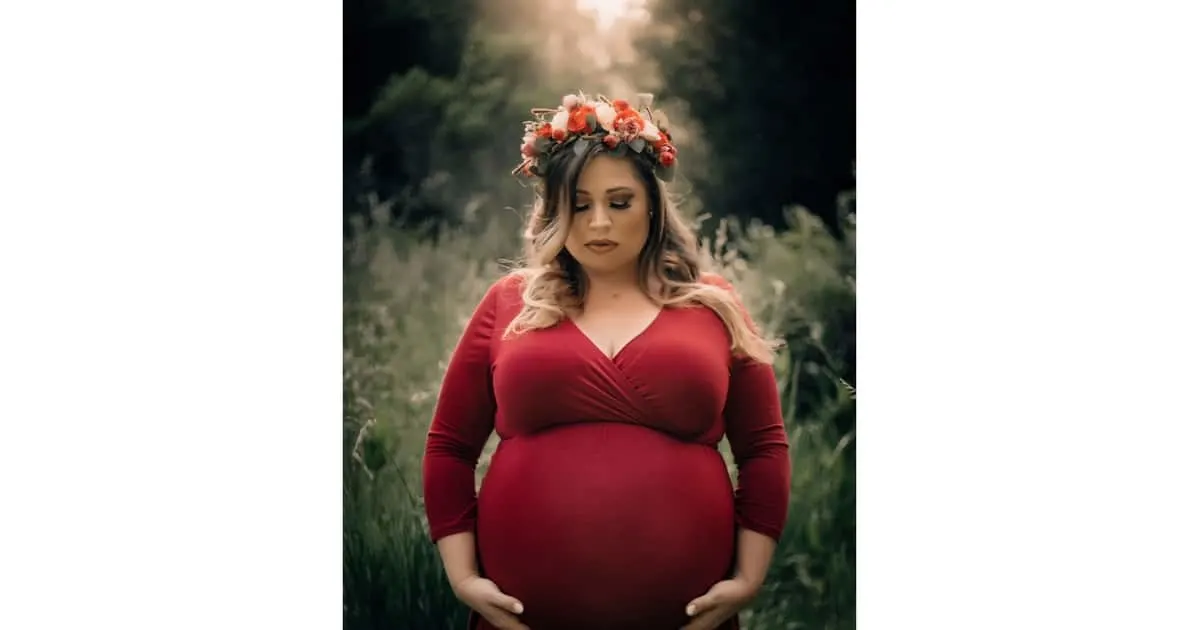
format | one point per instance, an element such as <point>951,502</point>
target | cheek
<point>637,223</point>
<point>577,230</point>
<point>577,235</point>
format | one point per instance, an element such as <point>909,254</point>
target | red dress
<point>606,504</point>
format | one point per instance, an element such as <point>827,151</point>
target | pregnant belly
<point>605,525</point>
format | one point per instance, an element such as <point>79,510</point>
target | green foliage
<point>424,131</point>
<point>799,284</point>
<point>771,84</point>
<point>407,299</point>
<point>817,313</point>
<point>391,575</point>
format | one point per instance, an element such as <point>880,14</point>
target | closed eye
<point>616,205</point>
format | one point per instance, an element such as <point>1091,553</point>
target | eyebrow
<point>609,191</point>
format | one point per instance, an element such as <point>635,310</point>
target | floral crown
<point>580,122</point>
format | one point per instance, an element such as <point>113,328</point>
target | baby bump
<point>605,525</point>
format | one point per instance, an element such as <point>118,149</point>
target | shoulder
<point>505,294</point>
<point>731,294</point>
<point>508,285</point>
<point>716,280</point>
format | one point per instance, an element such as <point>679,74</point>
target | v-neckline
<point>596,347</point>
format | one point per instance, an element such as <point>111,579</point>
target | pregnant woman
<point>610,366</point>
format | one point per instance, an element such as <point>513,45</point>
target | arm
<point>754,553</point>
<point>754,426</point>
<point>759,441</point>
<point>458,557</point>
<point>462,421</point>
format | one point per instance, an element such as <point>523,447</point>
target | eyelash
<point>624,205</point>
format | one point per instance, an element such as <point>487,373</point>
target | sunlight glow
<point>608,12</point>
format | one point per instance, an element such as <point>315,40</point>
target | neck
<point>612,283</point>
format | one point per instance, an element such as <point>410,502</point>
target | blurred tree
<point>404,51</point>
<point>772,86</point>
<point>435,96</point>
<point>385,37</point>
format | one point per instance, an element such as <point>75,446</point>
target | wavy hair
<point>669,265</point>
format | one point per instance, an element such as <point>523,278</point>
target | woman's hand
<point>484,597</point>
<point>720,603</point>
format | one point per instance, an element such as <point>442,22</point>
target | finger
<point>502,619</point>
<point>705,620</point>
<point>507,603</point>
<point>701,604</point>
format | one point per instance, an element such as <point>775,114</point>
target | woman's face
<point>611,219</point>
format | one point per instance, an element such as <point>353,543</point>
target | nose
<point>599,219</point>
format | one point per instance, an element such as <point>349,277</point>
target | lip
<point>600,245</point>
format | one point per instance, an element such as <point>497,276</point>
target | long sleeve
<point>462,421</point>
<point>754,426</point>
<point>757,437</point>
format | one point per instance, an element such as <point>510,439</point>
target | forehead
<point>605,171</point>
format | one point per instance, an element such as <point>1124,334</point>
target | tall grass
<point>407,298</point>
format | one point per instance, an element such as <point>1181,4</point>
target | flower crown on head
<point>580,122</point>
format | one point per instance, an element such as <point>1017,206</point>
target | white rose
<point>570,101</point>
<point>650,132</point>
<point>559,121</point>
<point>529,138</point>
<point>605,115</point>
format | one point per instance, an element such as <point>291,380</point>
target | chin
<point>591,265</point>
<point>602,265</point>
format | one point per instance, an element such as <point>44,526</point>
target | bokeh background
<point>761,102</point>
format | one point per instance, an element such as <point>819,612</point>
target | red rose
<point>620,105</point>
<point>628,124</point>
<point>667,158</point>
<point>527,150</point>
<point>611,141</point>
<point>545,130</point>
<point>577,121</point>
<point>559,135</point>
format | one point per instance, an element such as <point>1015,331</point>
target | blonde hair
<point>554,285</point>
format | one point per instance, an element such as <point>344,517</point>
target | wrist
<point>457,583</point>
<point>751,583</point>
